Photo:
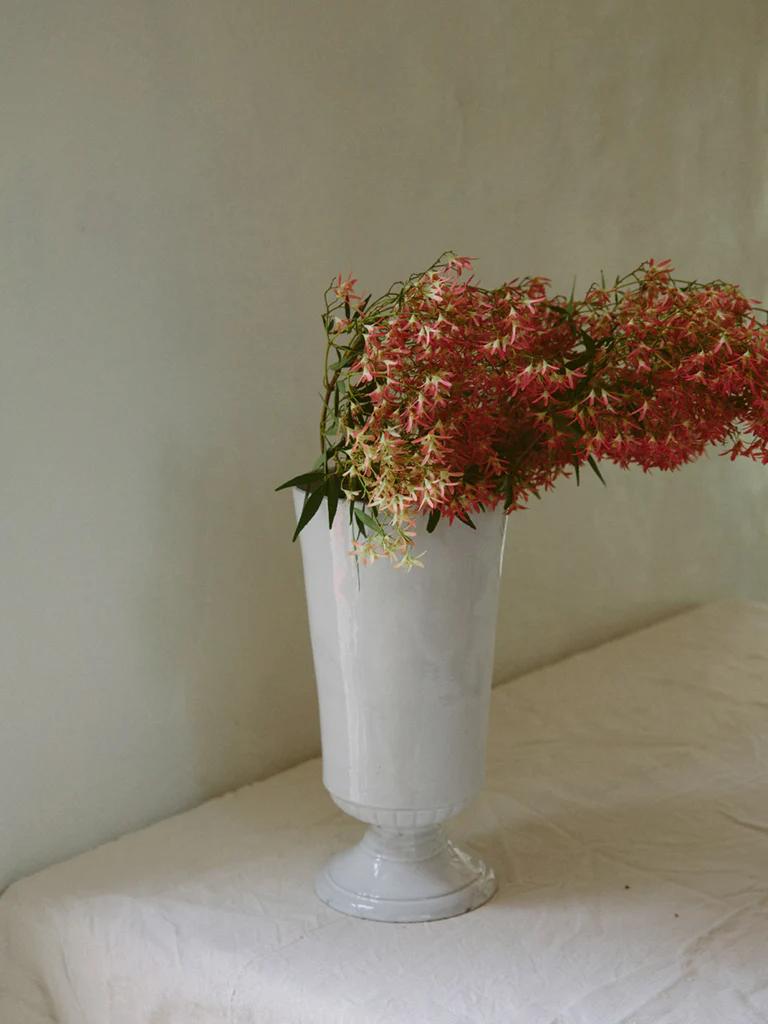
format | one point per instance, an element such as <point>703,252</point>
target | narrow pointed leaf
<point>433,520</point>
<point>463,517</point>
<point>508,492</point>
<point>366,520</point>
<point>596,470</point>
<point>311,480</point>
<point>333,491</point>
<point>312,503</point>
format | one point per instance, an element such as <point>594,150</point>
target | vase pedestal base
<point>405,875</point>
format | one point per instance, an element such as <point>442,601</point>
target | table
<point>625,811</point>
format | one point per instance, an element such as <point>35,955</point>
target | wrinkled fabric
<point>625,812</point>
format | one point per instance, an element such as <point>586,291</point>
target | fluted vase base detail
<point>404,875</point>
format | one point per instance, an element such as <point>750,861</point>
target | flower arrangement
<point>443,398</point>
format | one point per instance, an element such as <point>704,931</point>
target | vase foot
<point>404,876</point>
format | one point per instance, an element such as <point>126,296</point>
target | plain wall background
<point>179,179</point>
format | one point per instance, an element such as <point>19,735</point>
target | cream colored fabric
<point>626,812</point>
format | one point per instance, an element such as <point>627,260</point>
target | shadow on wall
<point>210,600</point>
<point>586,564</point>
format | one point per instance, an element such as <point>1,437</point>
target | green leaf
<point>333,490</point>
<point>584,357</point>
<point>596,470</point>
<point>508,491</point>
<point>578,473</point>
<point>567,426</point>
<point>557,309</point>
<point>312,503</point>
<point>578,361</point>
<point>345,360</point>
<point>305,480</point>
<point>571,303</point>
<point>433,520</point>
<point>369,521</point>
<point>463,517</point>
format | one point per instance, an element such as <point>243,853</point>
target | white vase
<point>403,662</point>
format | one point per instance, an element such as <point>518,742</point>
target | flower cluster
<point>443,398</point>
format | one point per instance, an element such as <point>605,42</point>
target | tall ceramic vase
<point>403,664</point>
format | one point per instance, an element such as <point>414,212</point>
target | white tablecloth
<point>626,813</point>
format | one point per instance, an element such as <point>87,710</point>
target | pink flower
<point>457,398</point>
<point>344,290</point>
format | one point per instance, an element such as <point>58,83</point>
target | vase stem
<point>410,874</point>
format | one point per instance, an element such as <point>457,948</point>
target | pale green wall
<point>178,181</point>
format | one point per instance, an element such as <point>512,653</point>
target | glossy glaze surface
<point>405,876</point>
<point>403,662</point>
